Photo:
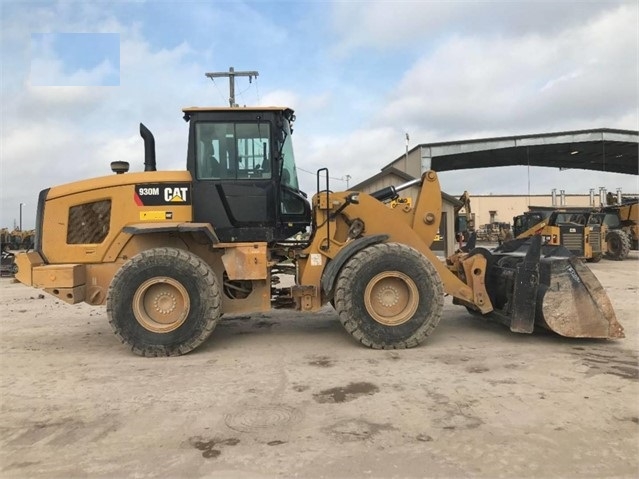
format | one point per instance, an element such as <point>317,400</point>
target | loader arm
<point>413,226</point>
<point>519,288</point>
<point>533,230</point>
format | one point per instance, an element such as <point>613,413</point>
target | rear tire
<point>389,296</point>
<point>618,245</point>
<point>164,302</point>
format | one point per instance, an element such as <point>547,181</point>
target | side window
<point>612,220</point>
<point>518,221</point>
<point>253,150</point>
<point>212,149</point>
<point>232,150</point>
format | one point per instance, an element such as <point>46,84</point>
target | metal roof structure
<point>604,149</point>
<point>404,177</point>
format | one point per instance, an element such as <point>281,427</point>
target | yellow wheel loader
<point>623,228</point>
<point>580,230</point>
<point>170,252</point>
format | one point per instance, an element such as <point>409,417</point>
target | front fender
<point>335,265</point>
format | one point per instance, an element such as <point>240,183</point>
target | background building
<point>502,208</point>
<point>600,150</point>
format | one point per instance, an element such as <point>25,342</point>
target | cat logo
<point>162,194</point>
<point>175,195</point>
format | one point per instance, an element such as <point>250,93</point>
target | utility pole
<point>348,178</point>
<point>21,205</point>
<point>231,74</point>
<point>407,140</point>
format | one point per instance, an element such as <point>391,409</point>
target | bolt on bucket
<point>530,284</point>
<point>572,302</point>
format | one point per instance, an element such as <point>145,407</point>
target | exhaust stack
<point>149,148</point>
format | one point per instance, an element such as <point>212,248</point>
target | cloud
<point>414,25</point>
<point>584,75</point>
<point>75,59</point>
<point>358,154</point>
<point>49,72</point>
<point>537,83</point>
<point>57,134</point>
<point>437,70</point>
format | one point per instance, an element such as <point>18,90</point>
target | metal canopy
<point>614,151</point>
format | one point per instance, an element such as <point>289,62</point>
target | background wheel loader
<point>580,230</point>
<point>170,252</point>
<point>622,221</point>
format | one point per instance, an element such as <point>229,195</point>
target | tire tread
<point>349,274</point>
<point>183,261</point>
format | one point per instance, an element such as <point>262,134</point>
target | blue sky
<point>360,75</point>
<point>74,52</point>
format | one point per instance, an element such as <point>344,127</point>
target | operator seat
<point>210,164</point>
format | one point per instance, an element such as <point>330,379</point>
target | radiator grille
<point>89,223</point>
<point>574,242</point>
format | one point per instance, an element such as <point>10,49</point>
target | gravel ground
<point>290,395</point>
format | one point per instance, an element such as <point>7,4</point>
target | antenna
<point>231,74</point>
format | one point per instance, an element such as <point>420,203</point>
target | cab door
<point>233,185</point>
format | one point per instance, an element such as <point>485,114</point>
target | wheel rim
<point>161,304</point>
<point>391,298</point>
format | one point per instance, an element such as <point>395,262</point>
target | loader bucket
<point>572,302</point>
<point>534,285</point>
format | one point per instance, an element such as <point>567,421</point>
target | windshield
<point>289,172</point>
<point>233,150</point>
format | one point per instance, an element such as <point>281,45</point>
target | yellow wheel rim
<point>391,298</point>
<point>161,304</point>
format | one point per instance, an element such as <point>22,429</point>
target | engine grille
<point>89,223</point>
<point>572,237</point>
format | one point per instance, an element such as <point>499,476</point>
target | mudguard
<point>335,265</point>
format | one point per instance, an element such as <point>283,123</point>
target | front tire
<point>389,296</point>
<point>618,245</point>
<point>164,302</point>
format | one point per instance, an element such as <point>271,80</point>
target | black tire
<point>389,296</point>
<point>595,258</point>
<point>618,245</point>
<point>164,302</point>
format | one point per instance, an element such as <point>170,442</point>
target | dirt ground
<point>290,395</point>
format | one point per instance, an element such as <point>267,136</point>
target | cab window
<point>289,172</point>
<point>232,150</point>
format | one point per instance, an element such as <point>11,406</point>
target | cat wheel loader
<point>580,230</point>
<point>622,221</point>
<point>170,252</point>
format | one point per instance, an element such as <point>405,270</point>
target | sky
<point>78,77</point>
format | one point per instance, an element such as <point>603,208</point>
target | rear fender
<point>201,233</point>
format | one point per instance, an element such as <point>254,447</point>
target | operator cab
<point>244,176</point>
